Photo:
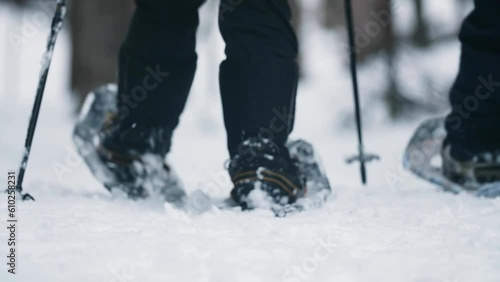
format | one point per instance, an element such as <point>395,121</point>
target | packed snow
<point>397,228</point>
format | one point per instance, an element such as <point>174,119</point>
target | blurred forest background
<point>97,28</point>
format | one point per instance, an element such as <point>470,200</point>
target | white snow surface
<point>397,228</point>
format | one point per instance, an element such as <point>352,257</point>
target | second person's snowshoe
<point>452,168</point>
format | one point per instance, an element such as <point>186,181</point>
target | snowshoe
<point>129,158</point>
<point>287,180</point>
<point>430,157</point>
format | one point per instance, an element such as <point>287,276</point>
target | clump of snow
<point>258,198</point>
<point>260,172</point>
<point>45,63</point>
<point>269,157</point>
<point>199,202</point>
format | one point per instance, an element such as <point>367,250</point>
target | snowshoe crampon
<point>423,158</point>
<point>148,174</point>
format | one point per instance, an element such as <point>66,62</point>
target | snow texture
<point>397,228</point>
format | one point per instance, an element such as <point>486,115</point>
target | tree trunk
<point>21,2</point>
<point>97,30</point>
<point>372,23</point>
<point>332,13</point>
<point>421,32</point>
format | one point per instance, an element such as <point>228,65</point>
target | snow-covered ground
<point>398,228</point>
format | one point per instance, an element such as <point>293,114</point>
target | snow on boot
<point>264,175</point>
<point>129,158</point>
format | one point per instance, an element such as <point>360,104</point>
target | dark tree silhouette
<point>97,30</point>
<point>421,32</point>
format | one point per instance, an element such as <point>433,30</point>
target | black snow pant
<point>258,79</point>
<point>474,122</point>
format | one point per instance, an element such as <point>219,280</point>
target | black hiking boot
<point>472,170</point>
<point>264,175</point>
<point>122,155</point>
<point>133,160</point>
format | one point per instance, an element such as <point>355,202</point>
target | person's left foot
<point>263,175</point>
<point>124,156</point>
<point>133,159</point>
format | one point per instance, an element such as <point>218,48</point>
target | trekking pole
<point>362,157</point>
<point>56,26</point>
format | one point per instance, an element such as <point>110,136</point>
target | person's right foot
<point>468,169</point>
